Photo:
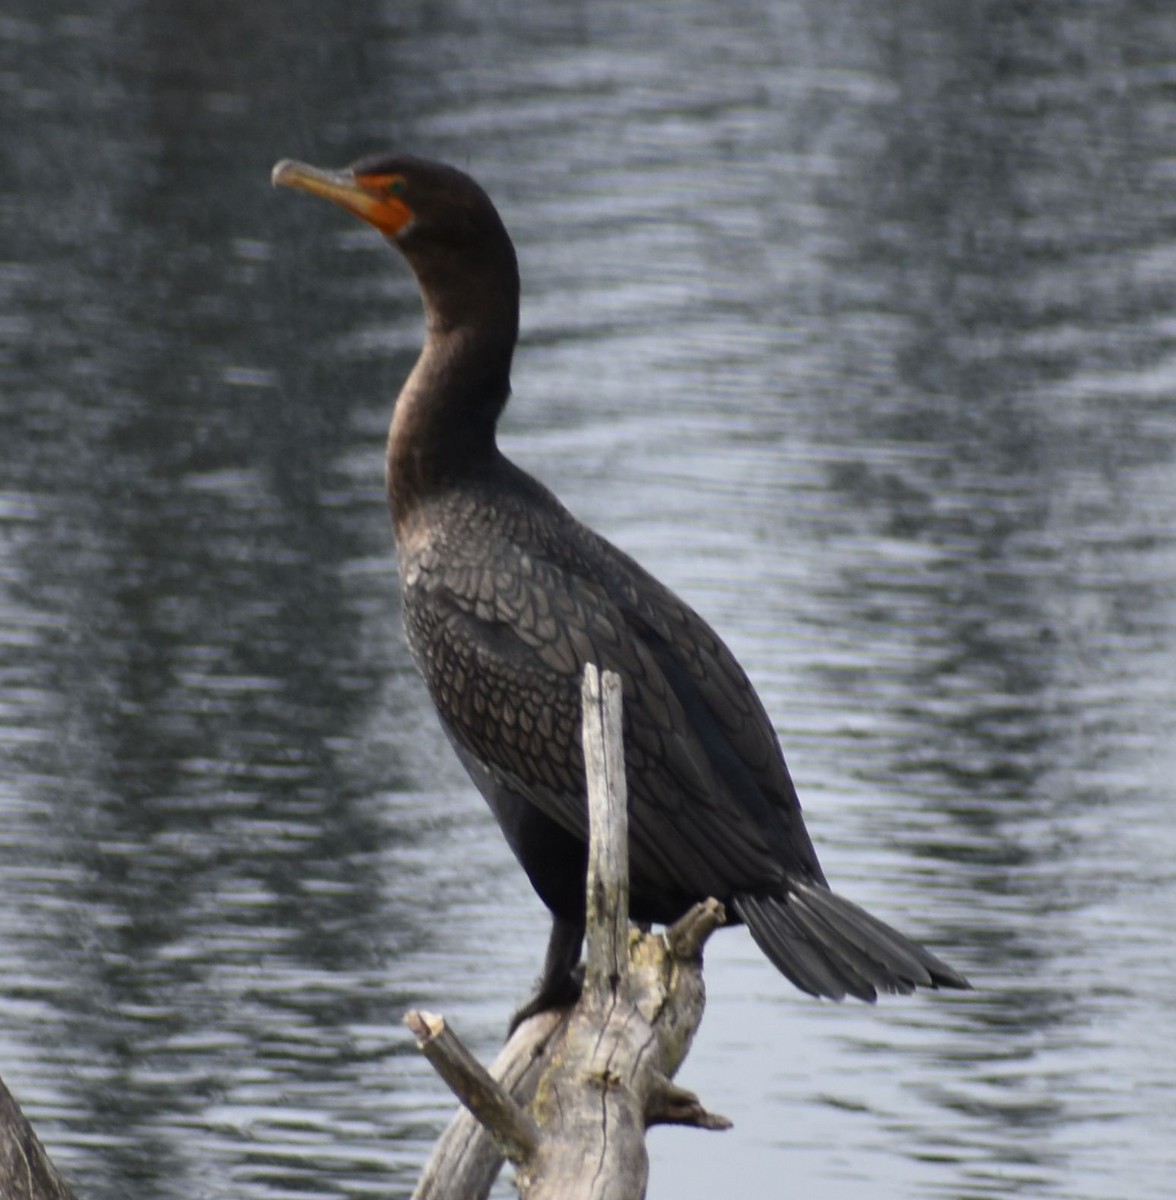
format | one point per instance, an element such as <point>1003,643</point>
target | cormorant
<point>506,597</point>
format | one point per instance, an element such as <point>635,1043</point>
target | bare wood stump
<point>571,1094</point>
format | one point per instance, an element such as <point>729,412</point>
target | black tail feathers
<point>830,947</point>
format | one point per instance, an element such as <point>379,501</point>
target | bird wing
<point>502,637</point>
<point>724,709</point>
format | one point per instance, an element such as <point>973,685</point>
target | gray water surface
<point>855,323</point>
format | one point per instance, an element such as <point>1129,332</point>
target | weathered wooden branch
<point>25,1170</point>
<point>585,1084</point>
<point>511,1126</point>
<point>465,1159</point>
<point>571,1094</point>
<point>606,975</point>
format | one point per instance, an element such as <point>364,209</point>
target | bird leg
<point>563,974</point>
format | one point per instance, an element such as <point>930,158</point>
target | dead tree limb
<point>511,1126</point>
<point>466,1159</point>
<point>570,1096</point>
<point>585,1084</point>
<point>25,1170</point>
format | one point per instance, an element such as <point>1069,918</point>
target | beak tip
<point>280,172</point>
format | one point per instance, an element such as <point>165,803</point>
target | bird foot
<point>552,993</point>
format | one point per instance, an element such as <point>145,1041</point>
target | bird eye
<point>397,185</point>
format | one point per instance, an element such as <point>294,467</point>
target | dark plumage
<point>507,596</point>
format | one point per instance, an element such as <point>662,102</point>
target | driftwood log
<point>571,1094</point>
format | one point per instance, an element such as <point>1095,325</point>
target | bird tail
<point>830,947</point>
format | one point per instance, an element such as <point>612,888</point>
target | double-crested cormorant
<point>507,596</point>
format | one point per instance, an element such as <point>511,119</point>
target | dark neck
<point>443,427</point>
<point>444,422</point>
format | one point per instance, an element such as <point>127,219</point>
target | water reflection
<point>855,325</point>
<point>1017,496</point>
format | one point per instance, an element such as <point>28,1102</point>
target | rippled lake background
<point>855,322</point>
